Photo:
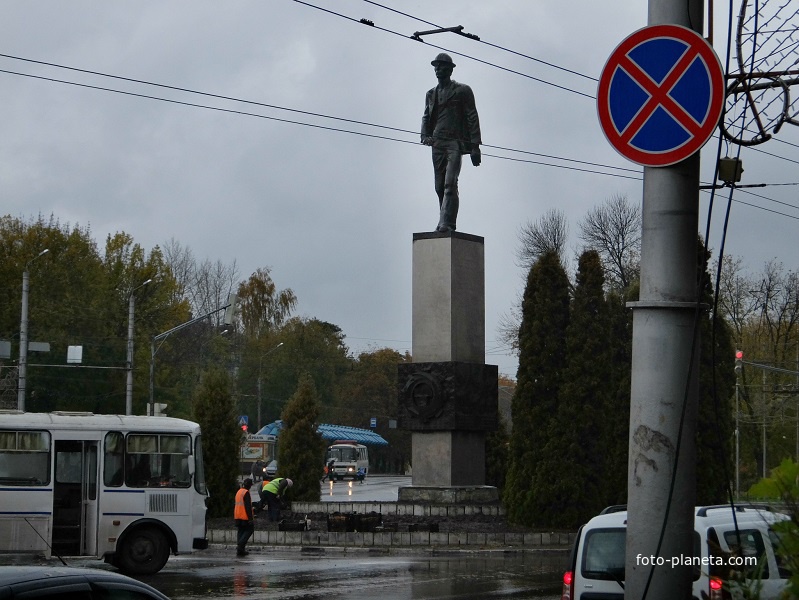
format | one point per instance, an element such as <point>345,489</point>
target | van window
<point>751,544</point>
<point>603,554</point>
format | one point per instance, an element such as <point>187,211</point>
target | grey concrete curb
<point>416,539</point>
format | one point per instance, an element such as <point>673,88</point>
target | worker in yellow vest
<point>261,504</point>
<point>242,514</point>
<point>272,492</point>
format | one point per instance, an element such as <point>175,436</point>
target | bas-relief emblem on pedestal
<point>447,396</point>
<point>424,395</point>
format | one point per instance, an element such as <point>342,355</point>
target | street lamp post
<point>162,336</point>
<point>260,366</point>
<point>23,334</point>
<point>129,386</point>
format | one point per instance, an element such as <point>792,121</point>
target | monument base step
<point>459,494</point>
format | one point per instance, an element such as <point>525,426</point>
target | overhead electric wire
<point>485,62</point>
<point>275,107</point>
<point>481,41</point>
<point>329,128</point>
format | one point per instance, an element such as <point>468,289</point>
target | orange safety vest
<point>239,512</point>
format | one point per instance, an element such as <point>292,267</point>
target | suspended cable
<point>538,60</point>
<point>485,62</point>
<point>272,118</point>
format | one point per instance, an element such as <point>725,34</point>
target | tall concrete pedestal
<point>448,395</point>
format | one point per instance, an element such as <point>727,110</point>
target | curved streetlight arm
<point>162,337</point>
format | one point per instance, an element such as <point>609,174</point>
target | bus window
<point>113,462</point>
<point>158,460</point>
<point>25,457</point>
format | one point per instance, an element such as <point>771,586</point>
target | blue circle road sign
<point>660,95</point>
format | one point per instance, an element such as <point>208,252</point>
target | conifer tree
<point>616,412</point>
<point>545,316</point>
<point>300,447</point>
<point>714,426</point>
<point>574,451</point>
<point>221,440</point>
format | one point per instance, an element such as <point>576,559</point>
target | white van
<point>598,556</point>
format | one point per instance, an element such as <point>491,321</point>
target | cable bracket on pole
<point>417,35</point>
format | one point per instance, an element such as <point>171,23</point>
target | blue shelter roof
<point>333,432</point>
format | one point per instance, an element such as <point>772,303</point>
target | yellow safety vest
<point>272,486</point>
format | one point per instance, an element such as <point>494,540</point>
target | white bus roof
<point>89,421</point>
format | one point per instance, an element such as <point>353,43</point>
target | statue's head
<point>443,65</point>
<point>442,59</point>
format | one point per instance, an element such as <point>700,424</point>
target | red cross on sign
<point>660,95</point>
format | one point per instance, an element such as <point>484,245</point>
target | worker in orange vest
<point>242,514</point>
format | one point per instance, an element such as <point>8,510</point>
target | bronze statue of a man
<point>451,126</point>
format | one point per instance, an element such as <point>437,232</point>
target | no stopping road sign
<point>660,95</point>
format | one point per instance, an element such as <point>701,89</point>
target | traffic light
<point>159,409</point>
<point>739,360</point>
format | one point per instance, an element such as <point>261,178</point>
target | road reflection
<point>363,575</point>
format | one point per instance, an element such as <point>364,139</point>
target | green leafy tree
<point>158,307</point>
<point>300,447</point>
<point>574,450</point>
<point>214,410</point>
<point>262,307</point>
<point>309,346</point>
<point>783,485</point>
<point>545,317</point>
<point>369,389</point>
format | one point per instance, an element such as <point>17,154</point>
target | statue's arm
<point>473,126</point>
<point>427,129</point>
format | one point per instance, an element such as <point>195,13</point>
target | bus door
<point>75,498</point>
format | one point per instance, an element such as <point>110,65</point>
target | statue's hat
<point>442,58</point>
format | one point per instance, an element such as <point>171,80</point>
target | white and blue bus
<point>348,457</point>
<point>128,489</point>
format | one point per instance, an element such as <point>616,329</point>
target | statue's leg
<point>440,170</point>
<point>450,203</point>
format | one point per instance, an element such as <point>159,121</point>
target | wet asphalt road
<point>361,575</point>
<point>355,574</point>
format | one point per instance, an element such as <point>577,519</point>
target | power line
<point>337,129</point>
<point>485,62</point>
<point>538,60</point>
<point>276,107</point>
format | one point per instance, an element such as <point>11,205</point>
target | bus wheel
<point>144,551</point>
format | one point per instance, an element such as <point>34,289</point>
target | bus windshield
<point>346,454</point>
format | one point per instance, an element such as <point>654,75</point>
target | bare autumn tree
<point>613,229</point>
<point>763,312</point>
<point>548,234</point>
<point>206,285</point>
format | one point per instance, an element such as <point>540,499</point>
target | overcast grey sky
<point>332,213</point>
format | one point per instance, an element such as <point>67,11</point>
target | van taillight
<point>568,586</point>
<point>715,588</point>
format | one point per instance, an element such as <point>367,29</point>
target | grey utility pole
<point>23,334</point>
<point>663,397</point>
<point>129,382</point>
